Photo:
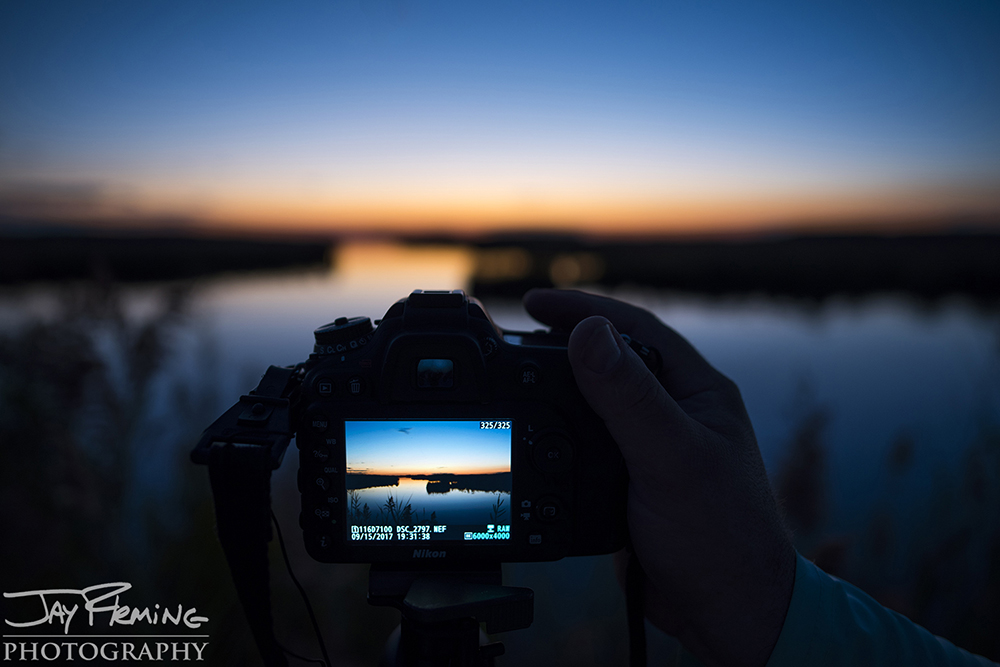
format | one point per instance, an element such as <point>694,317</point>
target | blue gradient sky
<point>469,116</point>
<point>426,447</point>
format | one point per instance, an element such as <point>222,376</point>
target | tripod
<point>441,611</point>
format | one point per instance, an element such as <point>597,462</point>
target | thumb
<point>637,410</point>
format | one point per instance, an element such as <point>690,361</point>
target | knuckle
<point>731,399</point>
<point>648,322</point>
<point>729,389</point>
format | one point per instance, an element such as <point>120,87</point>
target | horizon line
<point>797,226</point>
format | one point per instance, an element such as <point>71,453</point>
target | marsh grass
<point>937,561</point>
<point>498,511</point>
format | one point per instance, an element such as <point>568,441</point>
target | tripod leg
<point>450,644</point>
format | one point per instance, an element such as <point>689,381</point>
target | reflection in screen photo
<point>428,480</point>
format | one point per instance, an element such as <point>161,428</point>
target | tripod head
<point>441,612</point>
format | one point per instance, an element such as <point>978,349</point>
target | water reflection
<point>431,503</point>
<point>877,419</point>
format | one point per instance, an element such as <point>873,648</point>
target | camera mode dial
<point>343,335</point>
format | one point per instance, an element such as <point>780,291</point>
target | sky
<point>425,448</point>
<point>624,117</point>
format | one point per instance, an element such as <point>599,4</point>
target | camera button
<point>528,375</point>
<point>553,453</point>
<point>319,509</point>
<point>320,540</point>
<point>315,515</point>
<point>535,538</point>
<point>314,482</point>
<point>548,509</point>
<point>356,385</point>
<point>318,454</point>
<point>319,423</point>
<point>324,386</point>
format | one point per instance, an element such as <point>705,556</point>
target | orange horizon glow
<point>592,213</point>
<point>585,212</point>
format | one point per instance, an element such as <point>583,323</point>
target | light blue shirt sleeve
<point>832,623</point>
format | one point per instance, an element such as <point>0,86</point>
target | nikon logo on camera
<point>427,553</point>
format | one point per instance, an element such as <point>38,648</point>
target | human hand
<point>704,524</point>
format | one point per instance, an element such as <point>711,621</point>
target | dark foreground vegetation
<point>97,485</point>
<point>937,562</point>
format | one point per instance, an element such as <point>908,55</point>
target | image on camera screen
<point>428,480</point>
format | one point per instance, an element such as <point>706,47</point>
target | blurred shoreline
<point>807,267</point>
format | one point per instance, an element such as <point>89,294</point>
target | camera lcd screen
<point>433,480</point>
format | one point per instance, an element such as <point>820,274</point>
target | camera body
<point>433,438</point>
<point>439,437</point>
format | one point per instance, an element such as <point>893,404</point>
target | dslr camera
<point>434,436</point>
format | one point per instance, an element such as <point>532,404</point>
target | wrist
<point>738,623</point>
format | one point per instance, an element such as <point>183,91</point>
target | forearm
<point>832,623</point>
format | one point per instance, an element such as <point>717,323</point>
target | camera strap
<point>241,448</point>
